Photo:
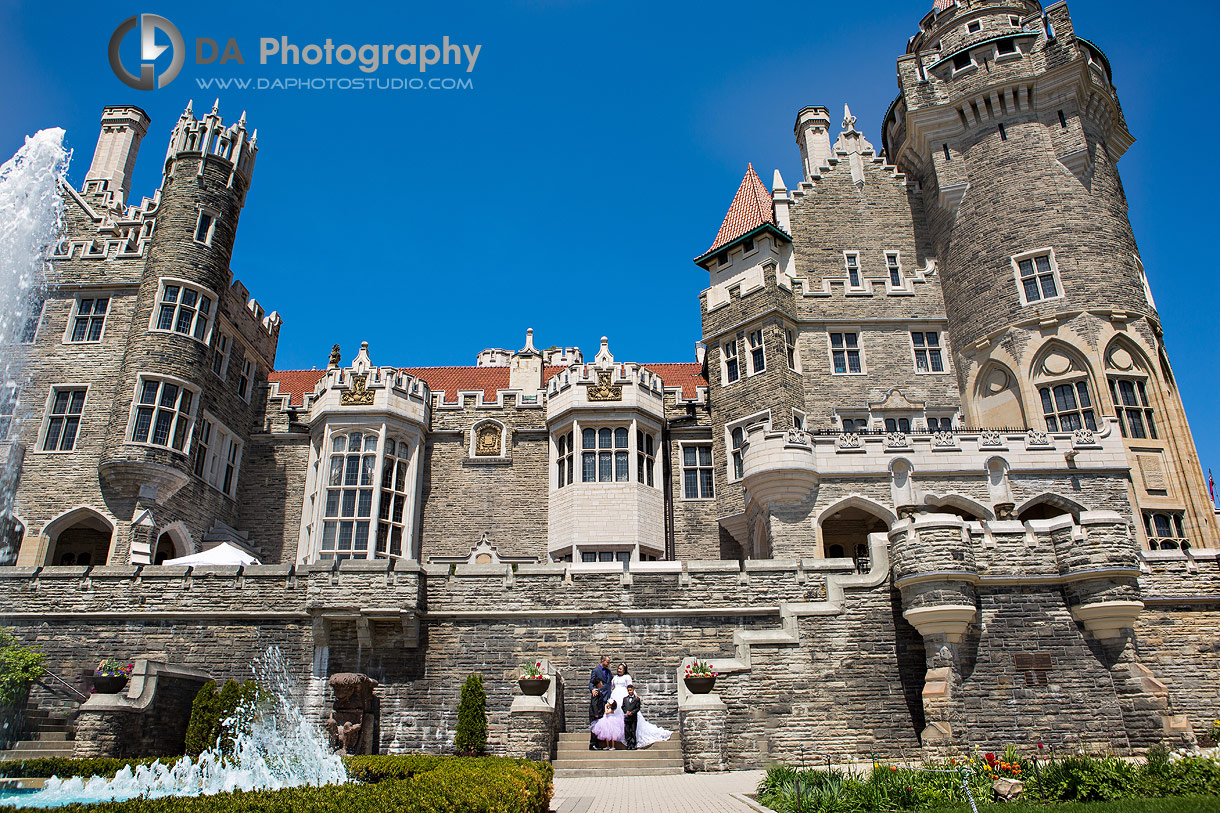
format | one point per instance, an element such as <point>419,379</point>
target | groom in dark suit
<point>599,696</point>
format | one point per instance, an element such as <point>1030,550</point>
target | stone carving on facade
<point>990,438</point>
<point>944,440</point>
<point>1084,437</point>
<point>353,719</point>
<point>1036,438</point>
<point>604,390</point>
<point>848,440</point>
<point>487,440</point>
<point>896,440</point>
<point>335,356</point>
<point>798,436</point>
<point>359,394</point>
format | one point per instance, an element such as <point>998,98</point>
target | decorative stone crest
<point>896,440</point>
<point>798,436</point>
<point>604,390</point>
<point>1035,438</point>
<point>358,394</point>
<point>944,440</point>
<point>1084,437</point>
<point>990,437</point>
<point>848,440</point>
<point>487,441</point>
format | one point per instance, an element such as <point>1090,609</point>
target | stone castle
<point>929,482</point>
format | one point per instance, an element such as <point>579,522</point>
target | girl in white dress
<point>645,732</point>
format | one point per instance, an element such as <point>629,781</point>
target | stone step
<point>583,736</point>
<point>623,762</point>
<point>39,747</point>
<point>42,735</point>
<point>585,773</point>
<point>578,750</point>
<point>18,753</point>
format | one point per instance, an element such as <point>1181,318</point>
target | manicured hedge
<point>64,766</point>
<point>429,784</point>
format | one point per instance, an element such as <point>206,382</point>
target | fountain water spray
<point>276,747</point>
<point>31,210</point>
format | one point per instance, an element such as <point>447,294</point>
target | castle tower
<point>114,159</point>
<point>750,330</point>
<point>1011,126</point>
<point>169,378</point>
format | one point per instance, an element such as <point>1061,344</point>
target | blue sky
<point>594,156</point>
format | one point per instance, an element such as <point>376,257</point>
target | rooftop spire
<point>751,208</point>
<point>849,121</point>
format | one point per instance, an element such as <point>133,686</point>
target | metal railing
<point>57,679</point>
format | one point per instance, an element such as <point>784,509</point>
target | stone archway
<point>81,536</point>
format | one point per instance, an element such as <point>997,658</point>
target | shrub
<point>62,767</point>
<point>20,666</point>
<point>218,717</point>
<point>471,735</point>
<point>199,731</point>
<point>427,784</point>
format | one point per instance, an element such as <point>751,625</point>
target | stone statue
<point>353,720</point>
<point>335,356</point>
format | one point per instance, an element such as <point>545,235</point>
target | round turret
<point>178,358</point>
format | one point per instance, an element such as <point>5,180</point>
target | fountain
<point>30,213</point>
<point>277,747</point>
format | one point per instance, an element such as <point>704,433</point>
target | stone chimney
<point>114,160</point>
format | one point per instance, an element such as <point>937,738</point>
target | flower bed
<point>938,786</point>
<point>429,784</point>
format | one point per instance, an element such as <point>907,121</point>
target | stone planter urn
<point>109,684</point>
<point>700,684</point>
<point>534,687</point>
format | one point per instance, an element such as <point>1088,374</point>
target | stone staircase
<point>574,759</point>
<point>49,733</point>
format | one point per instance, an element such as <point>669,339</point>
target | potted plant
<point>111,676</point>
<point>532,681</point>
<point>700,679</point>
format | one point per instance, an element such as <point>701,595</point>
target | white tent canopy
<point>222,554</point>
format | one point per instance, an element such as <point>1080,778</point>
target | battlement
<point>207,138</point>
<point>598,386</point>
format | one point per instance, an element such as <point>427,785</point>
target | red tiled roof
<point>751,208</point>
<point>453,380</point>
<point>941,5</point>
<point>688,376</point>
<point>295,383</point>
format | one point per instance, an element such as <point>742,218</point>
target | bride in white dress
<point>645,732</point>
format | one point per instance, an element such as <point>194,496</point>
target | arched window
<point>349,496</point>
<point>1067,407</point>
<point>1067,401</point>
<point>1165,530</point>
<point>165,549</point>
<point>604,455</point>
<point>1132,392</point>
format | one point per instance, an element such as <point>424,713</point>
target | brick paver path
<point>683,793</point>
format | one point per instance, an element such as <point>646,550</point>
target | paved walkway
<point>682,793</point>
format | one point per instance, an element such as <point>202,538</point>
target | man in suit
<point>599,696</point>
<point>631,716</point>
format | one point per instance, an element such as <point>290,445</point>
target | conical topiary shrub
<point>199,732</point>
<point>471,736</point>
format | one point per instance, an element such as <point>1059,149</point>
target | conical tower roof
<point>751,209</point>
